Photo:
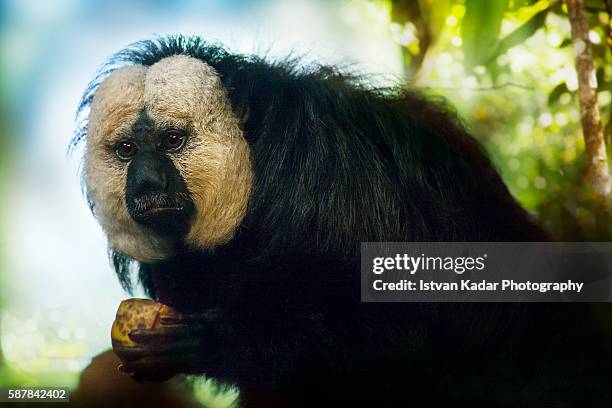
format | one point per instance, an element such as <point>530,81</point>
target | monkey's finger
<point>141,351</point>
<point>164,335</point>
<point>179,319</point>
<point>172,320</point>
<point>153,336</point>
<point>127,354</point>
<point>176,318</point>
<point>130,353</point>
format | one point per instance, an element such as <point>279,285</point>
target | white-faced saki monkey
<point>240,190</point>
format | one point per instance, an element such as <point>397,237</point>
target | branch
<point>596,166</point>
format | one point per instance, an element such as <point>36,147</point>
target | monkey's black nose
<point>150,172</point>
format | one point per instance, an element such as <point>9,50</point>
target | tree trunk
<point>596,166</point>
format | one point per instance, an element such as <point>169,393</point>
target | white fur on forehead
<point>182,88</point>
<point>118,101</point>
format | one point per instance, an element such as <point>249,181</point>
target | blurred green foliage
<point>508,67</point>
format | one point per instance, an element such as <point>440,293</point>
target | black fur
<point>337,162</point>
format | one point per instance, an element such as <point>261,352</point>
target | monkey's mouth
<point>165,213</point>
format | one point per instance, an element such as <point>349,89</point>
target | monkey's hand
<point>175,346</point>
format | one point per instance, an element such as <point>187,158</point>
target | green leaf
<point>480,29</point>
<point>600,74</point>
<point>604,86</point>
<point>522,33</point>
<point>556,93</point>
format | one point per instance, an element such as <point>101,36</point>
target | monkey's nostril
<point>149,183</point>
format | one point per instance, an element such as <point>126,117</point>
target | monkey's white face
<point>153,133</point>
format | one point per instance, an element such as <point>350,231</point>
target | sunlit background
<point>59,293</point>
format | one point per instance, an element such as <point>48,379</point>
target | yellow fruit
<point>135,314</point>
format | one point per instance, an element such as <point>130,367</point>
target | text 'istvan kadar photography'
<point>306,203</point>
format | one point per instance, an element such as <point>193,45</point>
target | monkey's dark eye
<point>173,140</point>
<point>126,149</point>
